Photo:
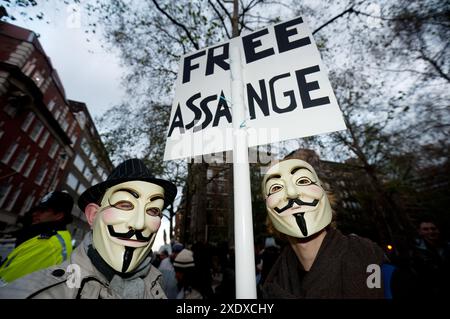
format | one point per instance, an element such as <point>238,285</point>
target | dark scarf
<point>127,285</point>
<point>339,271</point>
<point>107,270</point>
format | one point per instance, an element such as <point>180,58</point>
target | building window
<point>5,188</point>
<point>9,153</point>
<point>13,199</point>
<point>88,174</point>
<point>53,149</point>
<point>2,131</point>
<point>64,124</point>
<point>28,203</point>
<point>100,170</point>
<point>37,130</point>
<point>29,167</point>
<point>41,175</point>
<point>28,120</point>
<point>93,159</point>
<point>57,113</point>
<point>72,127</point>
<point>220,220</point>
<point>81,189</point>
<point>72,181</point>
<point>79,163</point>
<point>74,138</point>
<point>85,147</point>
<point>38,78</point>
<point>44,139</point>
<point>65,159</point>
<point>20,160</point>
<point>51,105</point>
<point>65,110</point>
<point>221,175</point>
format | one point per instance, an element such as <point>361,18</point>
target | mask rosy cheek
<point>271,201</point>
<point>315,191</point>
<point>154,224</point>
<point>109,216</point>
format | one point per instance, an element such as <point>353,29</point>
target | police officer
<point>44,240</point>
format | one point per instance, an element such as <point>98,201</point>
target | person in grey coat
<point>113,261</point>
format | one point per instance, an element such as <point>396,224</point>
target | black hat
<point>59,202</point>
<point>130,170</point>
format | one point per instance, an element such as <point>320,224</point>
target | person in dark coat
<point>319,262</point>
<point>425,274</point>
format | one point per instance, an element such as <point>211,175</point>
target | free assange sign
<point>286,93</point>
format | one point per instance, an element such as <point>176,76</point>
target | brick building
<point>46,141</point>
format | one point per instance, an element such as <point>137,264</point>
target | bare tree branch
<point>349,10</point>
<point>188,33</point>
<point>225,10</point>
<point>220,18</point>
<point>433,63</point>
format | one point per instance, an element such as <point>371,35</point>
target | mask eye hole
<point>275,188</point>
<point>154,211</point>
<point>123,205</point>
<point>303,181</point>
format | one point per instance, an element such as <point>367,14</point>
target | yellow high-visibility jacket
<point>35,254</point>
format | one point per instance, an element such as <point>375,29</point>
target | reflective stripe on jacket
<point>35,254</point>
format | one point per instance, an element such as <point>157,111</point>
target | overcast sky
<point>88,72</point>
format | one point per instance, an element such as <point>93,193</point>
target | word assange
<point>261,94</point>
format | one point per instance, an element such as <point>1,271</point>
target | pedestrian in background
<point>185,274</point>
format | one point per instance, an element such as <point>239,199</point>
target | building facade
<point>47,142</point>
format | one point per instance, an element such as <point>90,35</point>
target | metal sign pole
<point>243,221</point>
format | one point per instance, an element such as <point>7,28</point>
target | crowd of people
<point>201,271</point>
<point>117,259</point>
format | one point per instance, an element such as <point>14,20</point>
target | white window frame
<point>5,196</point>
<point>27,204</point>
<point>13,200</point>
<point>20,162</point>
<point>34,135</point>
<point>27,122</point>
<point>53,149</point>
<point>79,163</point>
<point>51,105</point>
<point>10,153</point>
<point>81,188</point>
<point>30,167</point>
<point>57,113</point>
<point>72,178</point>
<point>85,146</point>
<point>44,175</point>
<point>44,139</point>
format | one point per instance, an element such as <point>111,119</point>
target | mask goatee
<point>127,257</point>
<point>301,222</point>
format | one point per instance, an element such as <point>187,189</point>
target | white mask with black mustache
<point>127,222</point>
<point>295,199</point>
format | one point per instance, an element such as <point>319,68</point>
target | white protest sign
<point>287,93</point>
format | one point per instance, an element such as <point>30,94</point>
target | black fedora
<point>130,170</point>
